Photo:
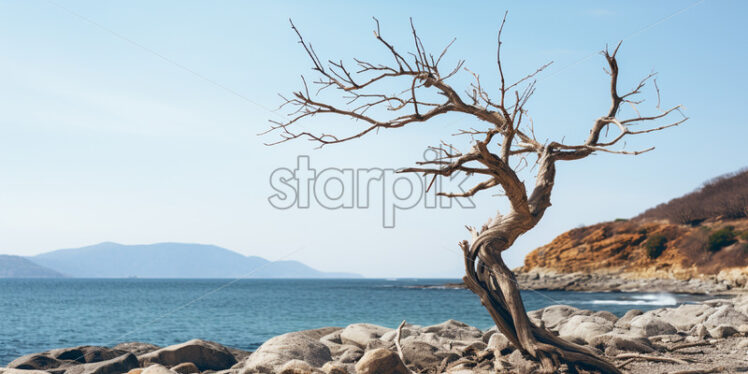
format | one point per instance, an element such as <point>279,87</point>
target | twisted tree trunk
<point>488,277</point>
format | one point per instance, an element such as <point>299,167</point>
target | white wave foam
<point>649,299</point>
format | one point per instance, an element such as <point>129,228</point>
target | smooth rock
<point>455,330</point>
<point>35,361</point>
<point>186,368</point>
<point>490,332</point>
<point>338,350</point>
<point>157,369</point>
<point>554,315</point>
<point>381,361</point>
<point>275,352</point>
<point>204,354</point>
<point>581,327</point>
<point>726,315</point>
<point>649,325</point>
<point>625,321</point>
<point>684,317</point>
<point>500,343</point>
<point>422,355</point>
<point>333,337</point>
<point>297,367</point>
<point>360,334</point>
<point>116,365</point>
<point>723,331</point>
<point>351,355</point>
<point>607,315</point>
<point>85,354</point>
<point>332,368</point>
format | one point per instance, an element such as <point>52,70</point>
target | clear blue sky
<point>103,139</point>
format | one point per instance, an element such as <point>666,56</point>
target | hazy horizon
<point>138,123</point>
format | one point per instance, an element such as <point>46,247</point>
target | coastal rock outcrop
<point>203,354</point>
<point>643,255</point>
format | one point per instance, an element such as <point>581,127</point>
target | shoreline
<point>704,336</point>
<point>549,280</point>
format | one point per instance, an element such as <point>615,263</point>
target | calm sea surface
<point>41,314</point>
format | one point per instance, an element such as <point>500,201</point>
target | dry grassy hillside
<point>704,232</point>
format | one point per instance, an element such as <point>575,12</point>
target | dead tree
<point>504,138</point>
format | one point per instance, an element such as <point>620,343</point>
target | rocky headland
<point>643,256</point>
<point>708,337</point>
<point>696,243</point>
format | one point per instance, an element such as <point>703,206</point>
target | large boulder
<point>649,325</point>
<point>455,330</point>
<point>500,343</point>
<point>360,334</point>
<point>684,317</point>
<point>204,354</point>
<point>726,314</point>
<point>584,328</point>
<point>422,355</point>
<point>35,361</point>
<point>274,353</point>
<point>381,361</point>
<point>625,321</point>
<point>86,354</point>
<point>118,365</point>
<point>554,315</point>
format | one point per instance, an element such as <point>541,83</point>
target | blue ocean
<point>41,314</point>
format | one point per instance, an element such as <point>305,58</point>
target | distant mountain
<point>19,267</point>
<point>171,260</point>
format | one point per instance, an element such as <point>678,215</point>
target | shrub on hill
<point>655,245</point>
<point>721,238</point>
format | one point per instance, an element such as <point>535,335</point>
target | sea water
<point>41,314</point>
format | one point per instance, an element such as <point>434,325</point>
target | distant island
<point>21,267</point>
<point>161,260</point>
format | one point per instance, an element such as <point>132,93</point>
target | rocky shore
<point>724,283</point>
<point>709,337</point>
<point>546,279</point>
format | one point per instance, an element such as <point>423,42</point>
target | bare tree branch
<point>498,136</point>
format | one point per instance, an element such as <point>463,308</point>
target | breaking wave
<point>649,299</point>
